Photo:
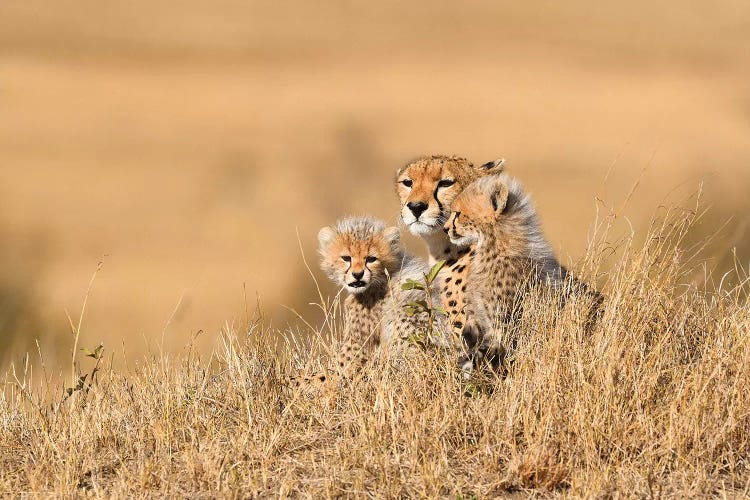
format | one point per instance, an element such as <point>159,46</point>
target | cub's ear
<point>498,195</point>
<point>393,236</point>
<point>494,166</point>
<point>326,236</point>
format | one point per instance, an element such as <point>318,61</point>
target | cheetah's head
<point>359,253</point>
<point>427,187</point>
<point>477,210</point>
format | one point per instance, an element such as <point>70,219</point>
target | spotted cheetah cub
<point>366,259</point>
<point>496,219</point>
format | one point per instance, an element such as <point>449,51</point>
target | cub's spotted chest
<point>453,281</point>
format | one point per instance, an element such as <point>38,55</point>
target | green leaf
<point>412,285</point>
<point>419,305</point>
<point>473,391</point>
<point>417,340</point>
<point>434,271</point>
<point>96,353</point>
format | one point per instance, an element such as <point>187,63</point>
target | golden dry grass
<point>187,142</point>
<point>654,402</point>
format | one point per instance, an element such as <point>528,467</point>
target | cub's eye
<point>444,183</point>
<point>370,259</point>
<point>346,258</point>
<point>407,182</point>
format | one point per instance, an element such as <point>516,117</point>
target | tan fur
<point>510,254</point>
<point>425,175</point>
<point>359,247</point>
<point>373,312</point>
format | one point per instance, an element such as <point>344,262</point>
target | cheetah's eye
<point>444,183</point>
<point>407,182</point>
<point>346,258</point>
<point>370,259</point>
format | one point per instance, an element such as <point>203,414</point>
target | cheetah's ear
<point>494,166</point>
<point>499,196</point>
<point>326,236</point>
<point>393,236</point>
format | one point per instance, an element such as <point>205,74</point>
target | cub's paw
<point>465,363</point>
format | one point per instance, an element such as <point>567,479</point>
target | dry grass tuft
<point>654,401</point>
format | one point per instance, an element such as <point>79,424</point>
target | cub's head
<point>427,187</point>
<point>482,207</point>
<point>358,253</point>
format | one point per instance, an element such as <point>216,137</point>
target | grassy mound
<point>654,401</point>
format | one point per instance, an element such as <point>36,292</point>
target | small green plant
<point>81,382</point>
<point>426,305</point>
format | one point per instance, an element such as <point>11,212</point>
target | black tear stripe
<point>440,205</point>
<point>369,247</point>
<point>453,224</point>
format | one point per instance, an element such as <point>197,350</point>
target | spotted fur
<point>497,221</point>
<point>366,259</point>
<point>426,188</point>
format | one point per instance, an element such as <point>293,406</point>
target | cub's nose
<point>446,229</point>
<point>417,207</point>
<point>359,275</point>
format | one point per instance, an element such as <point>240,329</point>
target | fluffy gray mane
<point>361,228</point>
<point>520,211</point>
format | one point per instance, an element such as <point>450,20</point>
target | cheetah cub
<point>496,219</point>
<point>366,259</point>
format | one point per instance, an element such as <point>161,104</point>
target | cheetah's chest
<point>453,285</point>
<point>363,320</point>
<point>497,282</point>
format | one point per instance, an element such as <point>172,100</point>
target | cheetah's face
<point>358,263</point>
<point>428,186</point>
<point>477,210</point>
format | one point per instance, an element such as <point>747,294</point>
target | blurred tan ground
<point>184,143</point>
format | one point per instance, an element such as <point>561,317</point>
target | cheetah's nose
<point>417,208</point>
<point>446,229</point>
<point>359,275</point>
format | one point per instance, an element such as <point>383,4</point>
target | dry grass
<point>653,402</point>
<point>168,138</point>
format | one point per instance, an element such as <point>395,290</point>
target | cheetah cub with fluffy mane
<point>496,219</point>
<point>365,258</point>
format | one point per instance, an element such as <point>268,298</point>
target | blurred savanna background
<point>194,147</point>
